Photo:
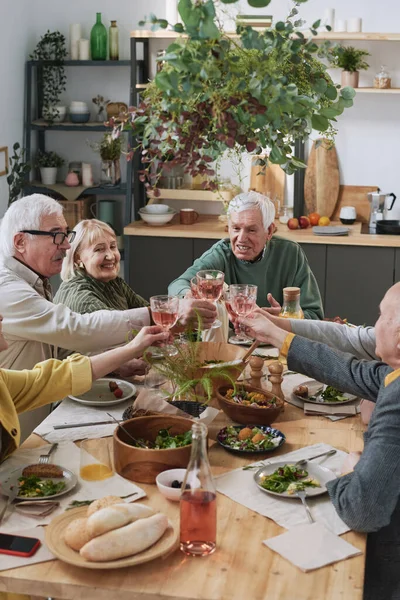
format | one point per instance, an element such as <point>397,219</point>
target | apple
<point>293,223</point>
<point>304,222</point>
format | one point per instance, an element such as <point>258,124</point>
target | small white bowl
<point>78,104</point>
<point>157,219</point>
<point>156,208</point>
<point>164,480</point>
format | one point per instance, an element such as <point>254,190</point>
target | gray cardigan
<point>366,498</point>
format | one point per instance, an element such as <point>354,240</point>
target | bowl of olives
<point>170,483</point>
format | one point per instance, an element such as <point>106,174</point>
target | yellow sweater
<point>47,382</point>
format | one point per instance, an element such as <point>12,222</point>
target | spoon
<point>138,442</point>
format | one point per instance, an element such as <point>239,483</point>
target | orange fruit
<point>314,218</point>
<point>324,221</point>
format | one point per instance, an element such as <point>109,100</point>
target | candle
<point>354,25</point>
<point>74,36</point>
<point>329,17</point>
<point>83,49</point>
<point>341,25</point>
<point>87,175</point>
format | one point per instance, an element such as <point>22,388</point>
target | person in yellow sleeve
<point>52,380</point>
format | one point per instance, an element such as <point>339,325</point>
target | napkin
<point>67,455</point>
<point>311,546</point>
<point>153,400</point>
<point>36,509</point>
<point>239,485</point>
<point>43,554</point>
<point>319,409</point>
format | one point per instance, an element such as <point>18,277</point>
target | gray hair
<point>251,200</point>
<point>87,231</point>
<point>26,213</point>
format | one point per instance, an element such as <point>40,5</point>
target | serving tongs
<point>137,442</point>
<point>249,352</point>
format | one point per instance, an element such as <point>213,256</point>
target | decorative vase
<point>72,179</point>
<point>117,171</point>
<point>98,40</point>
<point>350,78</point>
<point>48,175</point>
<point>110,172</point>
<point>113,40</point>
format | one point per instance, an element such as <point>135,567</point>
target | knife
<point>10,489</point>
<point>70,425</point>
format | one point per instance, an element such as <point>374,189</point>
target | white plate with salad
<point>285,478</point>
<point>319,393</point>
<point>35,487</point>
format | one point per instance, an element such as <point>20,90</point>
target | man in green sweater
<point>251,255</point>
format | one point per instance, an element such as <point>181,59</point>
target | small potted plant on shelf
<point>52,78</point>
<point>19,173</point>
<point>48,163</point>
<point>101,104</point>
<point>110,149</point>
<point>219,94</point>
<point>351,60</point>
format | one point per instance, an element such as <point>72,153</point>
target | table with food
<point>132,508</point>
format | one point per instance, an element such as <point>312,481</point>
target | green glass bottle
<point>98,40</point>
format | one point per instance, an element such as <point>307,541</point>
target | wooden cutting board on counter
<point>269,181</point>
<point>355,195</point>
<point>321,182</point>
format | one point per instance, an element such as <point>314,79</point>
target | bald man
<point>253,255</point>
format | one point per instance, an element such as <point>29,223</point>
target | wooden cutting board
<point>355,195</point>
<point>269,181</point>
<point>321,182</point>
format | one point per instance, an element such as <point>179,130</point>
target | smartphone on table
<point>18,545</point>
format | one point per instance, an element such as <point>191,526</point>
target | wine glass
<point>243,300</point>
<point>165,312</point>
<point>194,288</point>
<point>235,339</point>
<point>210,285</point>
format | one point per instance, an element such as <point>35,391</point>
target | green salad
<point>288,478</point>
<point>165,440</point>
<point>248,438</point>
<point>35,487</point>
<point>331,394</point>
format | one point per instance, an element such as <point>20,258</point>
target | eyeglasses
<point>58,236</point>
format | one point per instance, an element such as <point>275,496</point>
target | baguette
<point>76,534</point>
<point>116,516</point>
<point>102,503</point>
<point>125,541</point>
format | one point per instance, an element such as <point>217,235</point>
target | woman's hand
<point>259,326</point>
<point>192,310</point>
<point>146,337</point>
<point>275,307</point>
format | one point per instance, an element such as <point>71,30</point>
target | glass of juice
<point>95,460</point>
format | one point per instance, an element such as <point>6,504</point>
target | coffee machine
<point>377,200</point>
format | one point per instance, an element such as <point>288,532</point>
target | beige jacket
<point>35,327</point>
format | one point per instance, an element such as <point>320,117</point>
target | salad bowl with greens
<point>286,478</point>
<point>250,439</point>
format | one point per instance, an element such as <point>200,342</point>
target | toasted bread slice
<point>43,471</point>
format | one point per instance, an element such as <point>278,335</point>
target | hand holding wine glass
<point>165,312</point>
<point>210,285</point>
<point>242,300</point>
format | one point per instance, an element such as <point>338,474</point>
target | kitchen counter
<point>209,227</point>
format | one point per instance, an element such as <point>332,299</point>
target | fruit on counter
<point>324,221</point>
<point>293,223</point>
<point>304,222</point>
<point>314,218</point>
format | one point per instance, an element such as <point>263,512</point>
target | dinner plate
<point>264,428</point>
<point>313,387</point>
<point>54,536</point>
<point>101,395</point>
<point>322,474</point>
<point>260,345</point>
<point>331,230</point>
<point>69,478</point>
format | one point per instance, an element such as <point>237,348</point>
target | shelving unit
<point>40,127</point>
<point>191,194</point>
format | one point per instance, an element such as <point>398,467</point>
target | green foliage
<point>217,93</point>
<point>52,78</point>
<point>349,58</point>
<point>48,159</point>
<point>18,175</point>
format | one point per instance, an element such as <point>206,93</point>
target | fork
<point>45,458</point>
<point>302,495</point>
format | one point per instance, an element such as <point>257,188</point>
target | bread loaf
<point>102,503</point>
<point>125,541</point>
<point>117,515</point>
<point>76,535</point>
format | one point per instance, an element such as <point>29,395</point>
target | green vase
<point>98,40</point>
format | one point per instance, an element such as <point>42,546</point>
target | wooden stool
<point>275,377</point>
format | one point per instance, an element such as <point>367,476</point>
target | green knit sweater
<point>283,264</point>
<point>83,294</point>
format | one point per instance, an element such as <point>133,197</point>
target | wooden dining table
<point>241,567</point>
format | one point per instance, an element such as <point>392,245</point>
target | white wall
<point>368,133</point>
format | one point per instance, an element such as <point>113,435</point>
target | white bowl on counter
<point>156,208</point>
<point>157,219</point>
<point>164,481</point>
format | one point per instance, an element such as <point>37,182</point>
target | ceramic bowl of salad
<point>160,443</point>
<point>250,439</point>
<point>248,404</point>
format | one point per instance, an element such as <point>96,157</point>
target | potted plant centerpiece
<point>48,163</point>
<point>218,93</point>
<point>110,149</point>
<point>351,60</point>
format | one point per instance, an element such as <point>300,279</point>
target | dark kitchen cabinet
<point>357,278</point>
<point>316,256</point>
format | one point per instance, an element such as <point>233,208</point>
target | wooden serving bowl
<point>144,464</point>
<point>220,351</point>
<point>249,415</point>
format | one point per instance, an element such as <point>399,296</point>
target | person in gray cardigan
<point>367,498</point>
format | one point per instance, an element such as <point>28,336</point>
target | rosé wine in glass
<point>194,288</point>
<point>165,312</point>
<point>243,299</point>
<point>210,285</point>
